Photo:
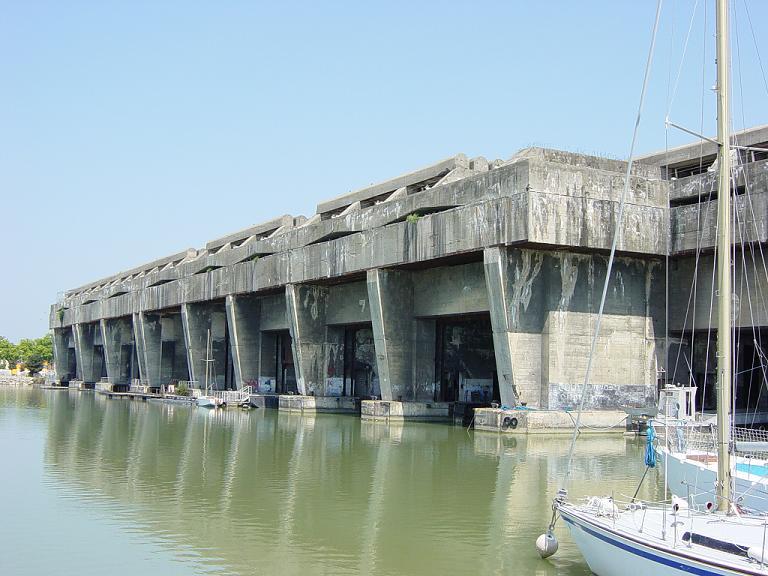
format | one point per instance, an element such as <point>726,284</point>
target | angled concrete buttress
<point>244,323</point>
<point>149,338</point>
<point>139,343</point>
<point>306,306</point>
<point>61,354</point>
<point>390,293</point>
<point>198,320</point>
<point>118,339</point>
<point>88,366</point>
<point>497,281</point>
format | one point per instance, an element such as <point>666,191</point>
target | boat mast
<point>207,360</point>
<point>724,378</point>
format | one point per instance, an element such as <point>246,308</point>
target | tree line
<point>31,353</point>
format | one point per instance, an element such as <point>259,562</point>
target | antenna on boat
<point>724,377</point>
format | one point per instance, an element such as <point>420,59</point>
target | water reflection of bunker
<point>327,493</point>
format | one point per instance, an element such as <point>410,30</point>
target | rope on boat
<point>650,453</point>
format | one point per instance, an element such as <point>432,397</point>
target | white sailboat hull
<point>615,552</point>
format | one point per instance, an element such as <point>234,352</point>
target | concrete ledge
<point>265,400</point>
<point>547,421</point>
<point>110,387</point>
<point>393,410</point>
<point>330,404</point>
<point>80,385</point>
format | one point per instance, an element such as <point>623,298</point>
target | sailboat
<point>207,400</point>
<point>687,448</point>
<point>673,538</point>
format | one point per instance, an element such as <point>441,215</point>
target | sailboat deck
<point>728,543</point>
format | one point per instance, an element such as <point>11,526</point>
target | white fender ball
<point>546,545</point>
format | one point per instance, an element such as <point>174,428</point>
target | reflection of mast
<point>134,460</point>
<point>108,420</point>
<point>375,509</point>
<point>292,481</point>
<point>229,473</point>
<point>181,474</point>
<point>505,509</point>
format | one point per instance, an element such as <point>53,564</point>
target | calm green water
<point>98,486</point>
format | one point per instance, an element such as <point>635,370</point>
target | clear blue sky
<point>132,130</point>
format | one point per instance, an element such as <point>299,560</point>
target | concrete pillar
<point>139,343</point>
<point>88,366</point>
<point>149,339</point>
<point>390,293</point>
<point>118,339</point>
<point>334,360</point>
<point>244,323</point>
<point>306,306</point>
<point>517,346</point>
<point>61,353</point>
<point>198,320</point>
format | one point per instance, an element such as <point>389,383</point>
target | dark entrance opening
<point>284,368</point>
<point>71,366</point>
<point>98,357</point>
<point>465,364</point>
<point>695,363</point>
<point>360,377</point>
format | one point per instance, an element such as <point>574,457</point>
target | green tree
<point>41,348</point>
<point>34,363</point>
<point>8,352</point>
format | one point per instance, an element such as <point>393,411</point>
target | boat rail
<point>227,396</point>
<point>684,435</point>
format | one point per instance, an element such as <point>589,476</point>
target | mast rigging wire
<point>616,235</point>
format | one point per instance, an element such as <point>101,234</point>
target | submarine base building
<point>464,284</point>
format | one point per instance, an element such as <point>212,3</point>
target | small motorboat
<point>209,402</point>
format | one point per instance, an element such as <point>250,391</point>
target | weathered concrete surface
<point>311,404</point>
<point>244,322</point>
<point>543,309</point>
<point>149,340</point>
<point>551,199</point>
<point>520,242</point>
<point>387,410</point>
<point>64,355</point>
<point>117,335</point>
<point>307,307</point>
<point>693,226</point>
<point>203,322</point>
<point>89,363</point>
<point>390,293</point>
<point>547,421</point>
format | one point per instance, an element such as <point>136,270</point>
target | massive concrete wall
<point>543,309</point>
<point>521,243</point>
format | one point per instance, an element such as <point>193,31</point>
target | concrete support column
<point>517,289</point>
<point>61,353</point>
<point>118,339</point>
<point>198,320</point>
<point>149,339</point>
<point>334,360</point>
<point>390,293</point>
<point>87,364</point>
<point>306,306</point>
<point>244,322</point>
<point>139,343</point>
